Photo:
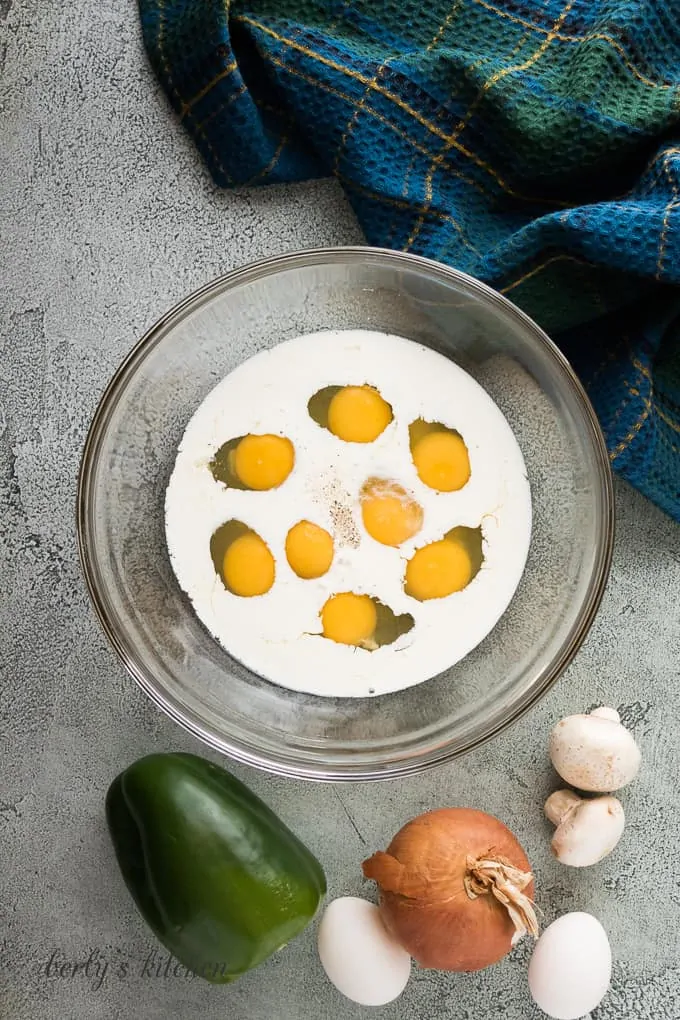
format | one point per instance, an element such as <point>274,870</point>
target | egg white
<point>278,635</point>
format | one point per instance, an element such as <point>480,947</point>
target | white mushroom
<point>587,830</point>
<point>594,752</point>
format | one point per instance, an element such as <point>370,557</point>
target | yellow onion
<point>455,889</point>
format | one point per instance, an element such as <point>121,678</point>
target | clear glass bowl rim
<point>250,273</point>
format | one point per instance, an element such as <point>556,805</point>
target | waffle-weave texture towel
<point>532,143</point>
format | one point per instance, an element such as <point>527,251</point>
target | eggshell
<point>571,967</point>
<point>358,954</point>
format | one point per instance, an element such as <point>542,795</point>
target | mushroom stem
<point>561,804</point>
<point>587,830</point>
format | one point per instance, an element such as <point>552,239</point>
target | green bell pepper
<point>217,876</point>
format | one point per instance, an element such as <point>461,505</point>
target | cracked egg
<point>349,513</point>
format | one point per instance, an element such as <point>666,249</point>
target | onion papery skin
<point>430,899</point>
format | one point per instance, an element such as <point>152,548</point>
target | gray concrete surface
<point>107,218</point>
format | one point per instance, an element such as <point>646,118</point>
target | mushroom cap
<point>594,753</point>
<point>589,832</point>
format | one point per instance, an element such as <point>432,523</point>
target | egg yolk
<point>442,461</point>
<point>248,566</point>
<point>358,414</point>
<point>349,619</point>
<point>389,514</point>
<point>263,462</point>
<point>438,570</point>
<point>309,550</point>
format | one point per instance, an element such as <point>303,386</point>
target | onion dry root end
<point>507,884</point>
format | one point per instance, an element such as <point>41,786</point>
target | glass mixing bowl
<point>131,449</point>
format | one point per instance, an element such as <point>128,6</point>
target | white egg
<point>359,955</point>
<point>571,967</point>
<point>278,634</point>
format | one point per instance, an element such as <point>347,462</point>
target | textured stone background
<point>107,218</point>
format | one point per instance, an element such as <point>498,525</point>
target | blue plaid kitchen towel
<point>532,143</point>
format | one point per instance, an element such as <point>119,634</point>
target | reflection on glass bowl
<point>131,450</point>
